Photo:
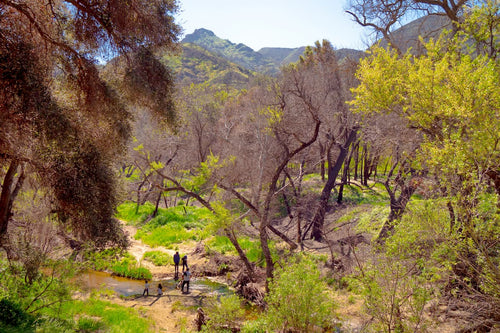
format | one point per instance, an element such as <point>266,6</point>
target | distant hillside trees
<point>61,123</point>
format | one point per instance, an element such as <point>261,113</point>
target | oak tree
<point>61,122</point>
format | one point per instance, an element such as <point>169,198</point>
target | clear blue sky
<point>274,23</point>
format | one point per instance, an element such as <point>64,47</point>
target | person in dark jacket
<point>177,260</point>
<point>184,263</point>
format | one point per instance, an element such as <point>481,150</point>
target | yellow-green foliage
<point>453,98</point>
<point>226,311</point>
<point>299,299</point>
<point>401,277</point>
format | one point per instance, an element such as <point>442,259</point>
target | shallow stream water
<point>129,287</point>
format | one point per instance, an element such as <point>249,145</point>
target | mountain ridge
<point>207,57</point>
<point>240,53</point>
<point>267,60</point>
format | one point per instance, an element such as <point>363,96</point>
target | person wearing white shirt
<point>185,281</point>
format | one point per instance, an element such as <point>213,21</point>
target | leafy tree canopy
<point>451,95</point>
<point>61,122</point>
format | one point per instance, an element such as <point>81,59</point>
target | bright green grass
<point>106,317</point>
<point>119,262</point>
<point>188,216</point>
<point>171,226</point>
<point>223,245</point>
<point>169,235</point>
<point>158,258</point>
<point>129,212</point>
<point>131,270</point>
<point>357,195</point>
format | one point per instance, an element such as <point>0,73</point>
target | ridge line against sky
<point>274,23</point>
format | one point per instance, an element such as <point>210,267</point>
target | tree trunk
<point>157,204</point>
<point>322,163</point>
<point>333,171</point>
<point>388,227</point>
<point>374,167</point>
<point>241,253</point>
<point>6,198</point>
<point>343,181</point>
<point>266,252</point>
<point>356,161</point>
<point>345,174</point>
<point>398,207</point>
<point>139,196</point>
<point>284,237</point>
<point>366,166</point>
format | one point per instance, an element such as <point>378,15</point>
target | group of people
<point>146,289</point>
<point>186,276</point>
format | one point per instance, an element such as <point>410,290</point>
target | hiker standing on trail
<point>160,290</point>
<point>185,281</point>
<point>184,263</point>
<point>177,259</point>
<point>146,288</point>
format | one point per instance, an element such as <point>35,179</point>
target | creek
<point>129,287</point>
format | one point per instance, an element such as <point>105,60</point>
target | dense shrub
<point>12,315</point>
<point>223,314</point>
<point>298,299</point>
<point>119,263</point>
<point>130,270</point>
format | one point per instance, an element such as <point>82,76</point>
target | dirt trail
<point>137,249</point>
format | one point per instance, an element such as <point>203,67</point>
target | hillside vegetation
<point>197,65</point>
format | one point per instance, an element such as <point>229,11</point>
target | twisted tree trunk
<point>333,172</point>
<point>10,188</point>
<point>407,185</point>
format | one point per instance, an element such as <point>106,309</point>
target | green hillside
<point>197,65</point>
<point>282,56</point>
<point>237,53</point>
